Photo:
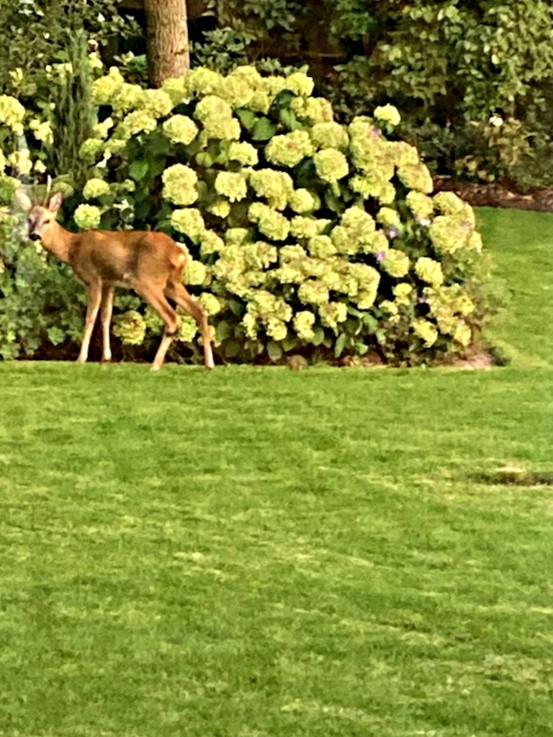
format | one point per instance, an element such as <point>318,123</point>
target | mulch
<point>496,195</point>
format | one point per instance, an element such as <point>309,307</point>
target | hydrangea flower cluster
<point>95,188</point>
<point>180,129</point>
<point>289,149</point>
<point>179,184</point>
<point>88,217</point>
<point>12,114</point>
<point>301,231</point>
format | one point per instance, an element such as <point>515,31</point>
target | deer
<point>149,262</point>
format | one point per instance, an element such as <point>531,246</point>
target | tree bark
<point>167,40</point>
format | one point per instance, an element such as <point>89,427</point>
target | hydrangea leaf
<point>263,130</point>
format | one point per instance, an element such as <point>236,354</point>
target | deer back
<point>126,257</point>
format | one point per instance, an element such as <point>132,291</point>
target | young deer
<point>150,263</point>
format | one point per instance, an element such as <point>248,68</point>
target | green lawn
<point>269,553</point>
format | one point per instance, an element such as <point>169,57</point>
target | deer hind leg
<point>105,316</point>
<point>94,290</point>
<point>182,297</point>
<point>157,300</point>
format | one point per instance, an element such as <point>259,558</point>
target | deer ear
<point>23,200</point>
<point>55,203</point>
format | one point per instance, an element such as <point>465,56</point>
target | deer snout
<point>34,236</point>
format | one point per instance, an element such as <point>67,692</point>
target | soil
<point>497,195</point>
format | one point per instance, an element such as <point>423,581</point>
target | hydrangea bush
<point>304,235</point>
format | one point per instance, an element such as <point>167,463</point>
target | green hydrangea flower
<point>312,110</point>
<point>259,255</point>
<point>236,90</point>
<point>404,154</point>
<point>367,186</point>
<point>302,201</point>
<point>232,185</point>
<point>389,218</point>
<point>333,313</point>
<point>211,303</point>
<point>12,114</point>
<point>355,233</point>
<point>387,114</point>
<point>449,234</point>
<point>237,236</point>
<point>449,203</point>
<point>269,221</point>
<point>274,186</point>
<point>210,243</point>
<point>95,188</point>
<point>174,87</point>
<point>249,74</point>
<point>180,129</point>
<point>303,323</point>
<point>114,146</point>
<point>87,217</point>
<point>389,307</point>
<point>395,263</point>
<point>154,323</point>
<point>329,135</point>
<point>244,153</point>
<point>189,221</point>
<point>366,298</point>
<point>195,273</point>
<point>313,292</point>
<point>331,165</point>
<point>250,323</point>
<point>305,227</point>
<point>90,149</point>
<point>260,102</point>
<point>429,271</point>
<point>321,246</point>
<point>130,327</point>
<point>462,334</point>
<point>42,130</point>
<point>420,205</point>
<point>276,329</point>
<point>201,82</point>
<point>299,83</point>
<point>179,184</point>
<point>289,149</point>
<point>104,89</point>
<point>417,177</point>
<point>425,330</point>
<point>156,102</point>
<point>187,329</point>
<point>403,293</point>
<point>101,130</point>
<point>215,115</point>
<point>139,121</point>
<point>220,208</point>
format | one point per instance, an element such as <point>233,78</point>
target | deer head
<point>39,217</point>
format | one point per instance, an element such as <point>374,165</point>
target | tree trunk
<point>167,40</point>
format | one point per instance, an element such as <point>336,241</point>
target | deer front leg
<point>94,291</point>
<point>182,297</point>
<point>105,316</point>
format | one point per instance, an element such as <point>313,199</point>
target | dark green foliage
<point>74,113</point>
<point>452,65</point>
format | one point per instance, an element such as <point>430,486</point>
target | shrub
<point>38,302</point>
<point>305,236</point>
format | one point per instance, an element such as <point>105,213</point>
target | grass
<point>268,553</point>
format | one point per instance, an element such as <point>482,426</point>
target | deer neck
<point>59,241</point>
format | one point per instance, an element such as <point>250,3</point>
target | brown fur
<point>150,263</point>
